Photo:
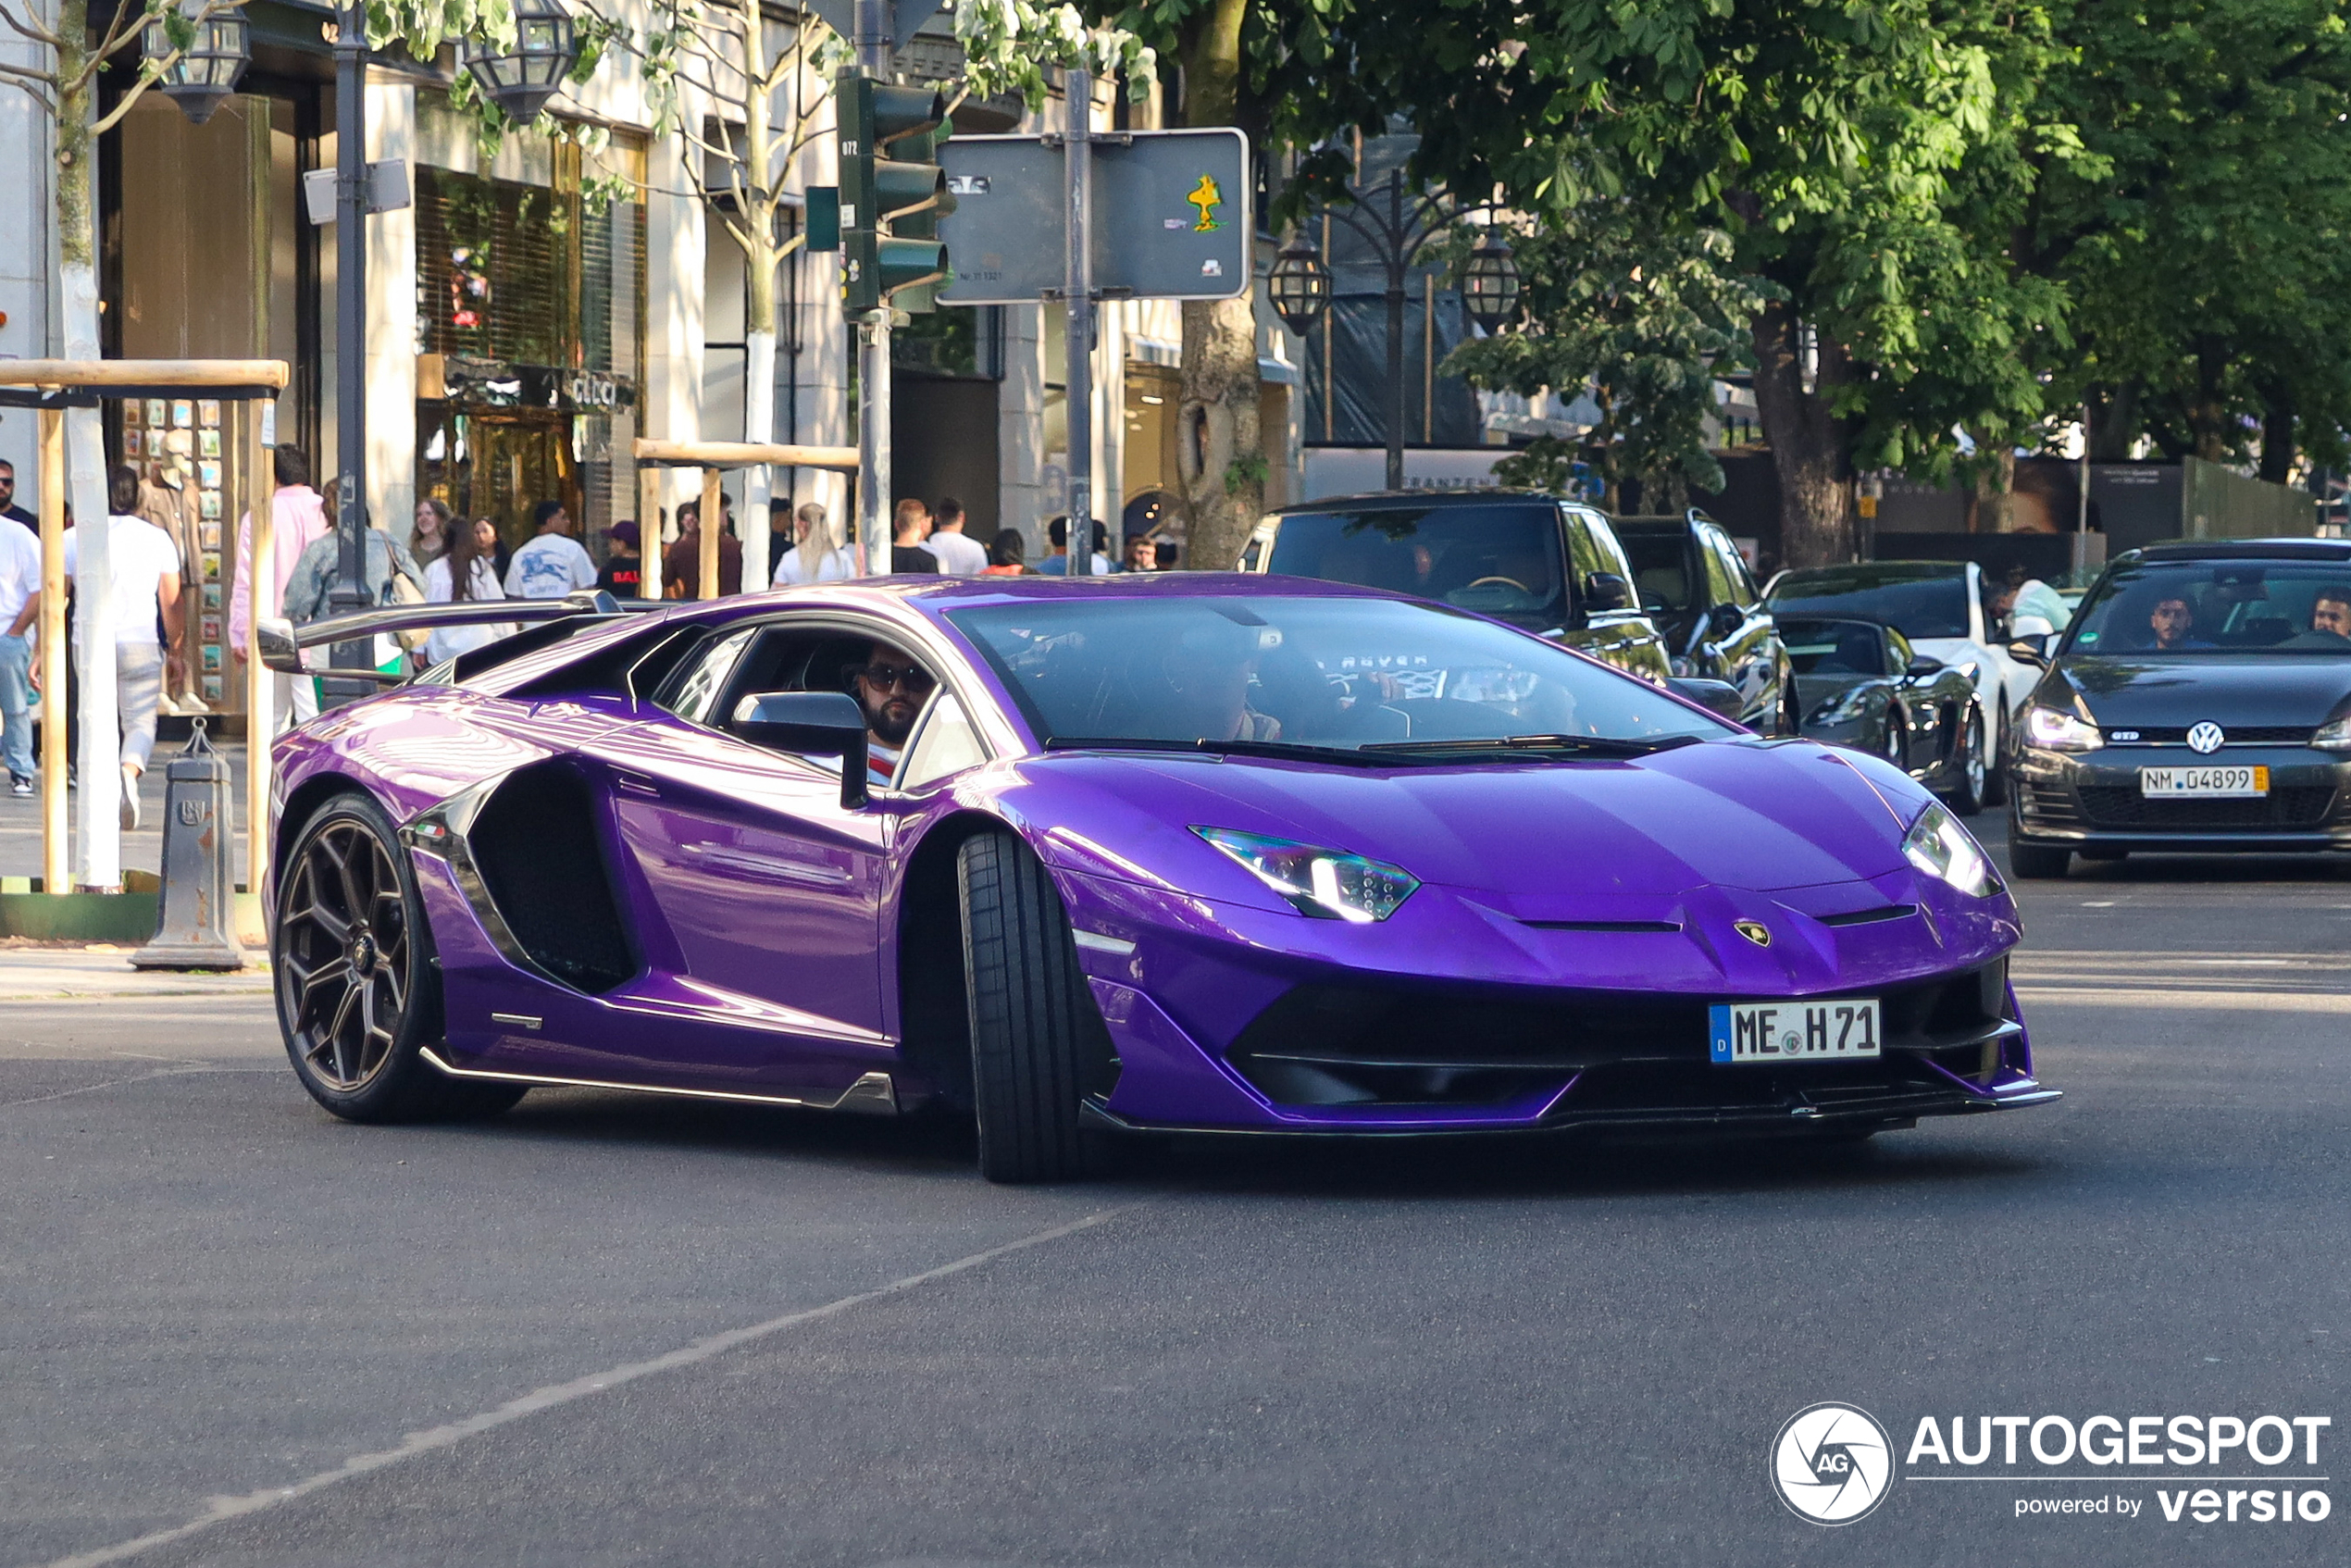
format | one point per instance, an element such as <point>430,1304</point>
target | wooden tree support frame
<point>52,386</point>
<point>714,457</point>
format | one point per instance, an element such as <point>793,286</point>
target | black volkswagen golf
<point>2199,700</point>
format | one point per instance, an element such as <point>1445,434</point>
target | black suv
<point>1549,565</point>
<point>1691,582</point>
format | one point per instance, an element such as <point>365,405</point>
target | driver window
<point>1720,590</point>
<point>947,743</point>
<point>693,690</point>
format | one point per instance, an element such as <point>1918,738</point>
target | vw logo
<point>2206,738</point>
<point>1754,931</point>
<point>1832,1463</point>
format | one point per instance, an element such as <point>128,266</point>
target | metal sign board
<point>1171,219</point>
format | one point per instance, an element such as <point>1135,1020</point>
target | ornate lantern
<point>1299,285</point>
<point>1490,282</point>
<point>521,80</point>
<point>207,71</point>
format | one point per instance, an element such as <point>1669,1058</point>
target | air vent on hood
<point>1870,917</point>
<point>1666,927</point>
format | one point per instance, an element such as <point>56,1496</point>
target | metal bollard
<point>198,928</point>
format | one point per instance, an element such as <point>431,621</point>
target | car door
<point>1620,635</point>
<point>769,885</point>
<point>1746,650</point>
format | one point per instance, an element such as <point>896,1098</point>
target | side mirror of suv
<point>1724,619</point>
<point>1606,590</point>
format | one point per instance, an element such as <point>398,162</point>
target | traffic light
<point>892,192</point>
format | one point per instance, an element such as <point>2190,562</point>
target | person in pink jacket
<point>298,515</point>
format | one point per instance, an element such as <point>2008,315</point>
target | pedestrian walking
<point>818,553</point>
<point>388,575</point>
<point>20,613</point>
<point>464,576</point>
<point>142,583</point>
<point>906,552</point>
<point>170,504</point>
<point>552,564</point>
<point>1004,554</point>
<point>682,562</point>
<point>623,576</point>
<point>1057,564</point>
<point>429,540</point>
<point>494,545</point>
<point>297,519</point>
<point>959,554</point>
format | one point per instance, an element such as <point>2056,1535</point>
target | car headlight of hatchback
<point>1937,845</point>
<point>2058,730</point>
<point>1327,884</point>
<point>2334,735</point>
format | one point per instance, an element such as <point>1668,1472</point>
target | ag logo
<point>2206,738</point>
<point>1832,1463</point>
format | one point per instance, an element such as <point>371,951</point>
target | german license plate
<point>1743,1033</point>
<point>2204,783</point>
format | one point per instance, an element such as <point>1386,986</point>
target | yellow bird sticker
<point>1208,197</point>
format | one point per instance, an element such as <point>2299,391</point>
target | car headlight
<point>2334,736</point>
<point>1327,884</point>
<point>1937,845</point>
<point>2061,731</point>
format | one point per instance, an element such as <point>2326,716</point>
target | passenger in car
<point>2329,622</point>
<point>891,688</point>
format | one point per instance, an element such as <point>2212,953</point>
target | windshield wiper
<point>1595,745</point>
<point>1284,749</point>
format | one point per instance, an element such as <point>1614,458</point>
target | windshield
<point>1833,647</point>
<point>1661,569</point>
<point>1922,601</point>
<point>1288,671</point>
<point>1500,561</point>
<point>2209,608</point>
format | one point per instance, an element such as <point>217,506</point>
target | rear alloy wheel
<point>358,996</point>
<point>1037,1041</point>
<point>1967,788</point>
<point>2034,862</point>
<point>1898,737</point>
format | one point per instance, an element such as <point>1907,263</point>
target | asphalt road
<point>600,1331</point>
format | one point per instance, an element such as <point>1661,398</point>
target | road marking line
<point>555,1394</point>
<point>118,1083</point>
<point>2253,1002</point>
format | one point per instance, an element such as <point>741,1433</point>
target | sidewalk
<point>30,974</point>
<point>143,850</point>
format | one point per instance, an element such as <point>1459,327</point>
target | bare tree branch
<point>31,29</point>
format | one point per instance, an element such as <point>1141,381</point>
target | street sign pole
<point>1077,303</point>
<point>875,25</point>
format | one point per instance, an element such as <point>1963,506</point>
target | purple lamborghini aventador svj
<point>1218,853</point>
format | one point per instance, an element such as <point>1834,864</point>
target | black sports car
<point>2200,700</point>
<point>1861,685</point>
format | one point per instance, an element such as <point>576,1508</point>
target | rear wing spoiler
<point>282,642</point>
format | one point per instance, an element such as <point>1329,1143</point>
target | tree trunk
<point>1220,450</point>
<point>97,836</point>
<point>1809,444</point>
<point>2277,436</point>
<point>2208,413</point>
<point>761,178</point>
<point>2114,422</point>
<point>1992,508</point>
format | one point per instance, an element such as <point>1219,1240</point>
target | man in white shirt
<point>143,577</point>
<point>959,554</point>
<point>552,564</point>
<point>20,609</point>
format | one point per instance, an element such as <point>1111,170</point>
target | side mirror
<point>1921,666</point>
<point>1718,697</point>
<point>279,650</point>
<point>820,723</point>
<point>1606,590</point>
<point>2032,650</point>
<point>1724,619</point>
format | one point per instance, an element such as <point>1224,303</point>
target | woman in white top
<point>466,575</point>
<point>817,556</point>
<point>142,584</point>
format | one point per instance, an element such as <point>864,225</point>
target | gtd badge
<point>1832,1463</point>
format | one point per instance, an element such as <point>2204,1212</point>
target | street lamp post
<point>350,592</point>
<point>1397,229</point>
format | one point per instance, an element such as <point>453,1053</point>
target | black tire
<point>1969,766</point>
<point>1996,781</point>
<point>2036,863</point>
<point>1896,742</point>
<point>1037,1041</point>
<point>357,988</point>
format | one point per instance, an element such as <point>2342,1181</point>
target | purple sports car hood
<point>1742,815</point>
